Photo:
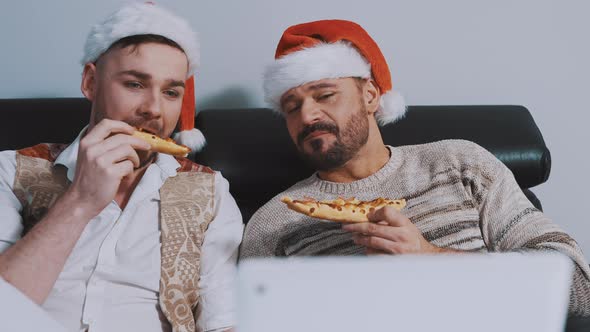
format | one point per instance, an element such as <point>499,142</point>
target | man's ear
<point>88,85</point>
<point>372,96</point>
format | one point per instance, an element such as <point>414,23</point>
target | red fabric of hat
<point>331,49</point>
<point>307,35</point>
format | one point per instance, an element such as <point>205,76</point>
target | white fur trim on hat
<point>324,61</point>
<point>141,19</point>
<point>193,138</point>
<point>392,107</point>
<point>312,64</point>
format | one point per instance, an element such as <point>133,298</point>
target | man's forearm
<point>33,264</point>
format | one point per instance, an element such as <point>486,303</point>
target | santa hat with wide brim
<point>327,49</point>
<point>149,19</point>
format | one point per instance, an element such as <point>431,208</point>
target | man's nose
<point>151,106</point>
<point>310,112</point>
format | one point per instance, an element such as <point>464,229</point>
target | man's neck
<point>370,159</point>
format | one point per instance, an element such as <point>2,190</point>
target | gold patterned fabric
<point>187,203</point>
<point>186,209</point>
<point>37,184</point>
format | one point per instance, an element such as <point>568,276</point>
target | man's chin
<point>323,161</point>
<point>315,153</point>
<point>317,146</point>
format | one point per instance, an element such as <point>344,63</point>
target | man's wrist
<point>76,207</point>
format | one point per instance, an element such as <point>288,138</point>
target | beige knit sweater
<point>458,194</point>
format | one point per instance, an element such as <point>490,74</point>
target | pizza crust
<point>167,146</point>
<point>341,210</point>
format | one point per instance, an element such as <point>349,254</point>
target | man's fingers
<point>372,229</point>
<point>124,139</point>
<point>123,168</point>
<point>104,129</point>
<point>390,215</point>
<point>378,244</point>
<point>118,154</point>
<point>102,148</point>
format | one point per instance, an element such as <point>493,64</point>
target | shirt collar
<point>68,158</point>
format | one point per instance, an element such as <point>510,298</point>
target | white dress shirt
<point>110,281</point>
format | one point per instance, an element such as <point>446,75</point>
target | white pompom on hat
<point>331,49</point>
<point>149,19</point>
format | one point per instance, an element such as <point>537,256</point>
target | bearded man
<point>332,84</point>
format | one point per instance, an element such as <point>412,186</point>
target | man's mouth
<point>148,130</point>
<point>316,130</point>
<point>315,134</point>
<point>151,127</point>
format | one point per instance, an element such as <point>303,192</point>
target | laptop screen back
<point>493,292</point>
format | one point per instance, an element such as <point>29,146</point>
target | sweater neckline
<point>370,181</point>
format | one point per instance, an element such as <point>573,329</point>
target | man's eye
<point>172,93</point>
<point>326,96</point>
<point>292,109</point>
<point>133,85</point>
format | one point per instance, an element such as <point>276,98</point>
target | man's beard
<point>353,136</point>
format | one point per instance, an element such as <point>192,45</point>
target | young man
<point>105,234</point>
<point>332,85</point>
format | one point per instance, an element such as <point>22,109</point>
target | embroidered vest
<point>186,209</point>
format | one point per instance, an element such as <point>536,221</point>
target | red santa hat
<point>331,49</point>
<point>143,19</point>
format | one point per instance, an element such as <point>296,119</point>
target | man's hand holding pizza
<point>390,232</point>
<point>377,225</point>
<point>107,154</point>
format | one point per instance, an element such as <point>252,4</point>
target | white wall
<point>529,52</point>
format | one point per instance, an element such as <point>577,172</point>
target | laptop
<point>19,314</point>
<point>471,292</point>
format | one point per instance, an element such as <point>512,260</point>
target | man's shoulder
<point>46,151</point>
<point>7,168</point>
<point>450,151</point>
<point>9,159</point>
<point>458,157</point>
<point>445,147</point>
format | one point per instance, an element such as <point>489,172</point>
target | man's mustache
<point>318,126</point>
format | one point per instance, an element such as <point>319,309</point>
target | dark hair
<point>136,40</point>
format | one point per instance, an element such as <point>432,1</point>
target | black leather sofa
<point>252,149</point>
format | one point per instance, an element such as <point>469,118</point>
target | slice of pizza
<point>162,145</point>
<point>341,210</point>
